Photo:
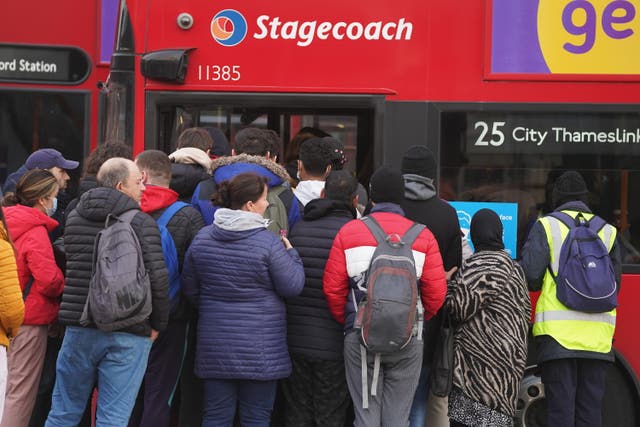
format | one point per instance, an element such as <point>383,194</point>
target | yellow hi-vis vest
<point>574,330</point>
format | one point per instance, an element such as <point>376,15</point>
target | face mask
<point>54,207</point>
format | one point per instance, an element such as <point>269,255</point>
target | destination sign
<point>552,133</point>
<point>43,64</point>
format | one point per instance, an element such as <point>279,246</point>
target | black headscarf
<point>486,231</point>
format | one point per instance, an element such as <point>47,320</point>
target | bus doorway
<point>350,119</point>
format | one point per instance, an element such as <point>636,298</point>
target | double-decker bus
<point>53,56</point>
<point>507,93</point>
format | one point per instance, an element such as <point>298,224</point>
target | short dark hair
<point>242,188</point>
<point>316,155</point>
<point>195,137</point>
<point>252,141</point>
<point>275,144</point>
<point>104,152</point>
<point>340,185</point>
<point>157,165</point>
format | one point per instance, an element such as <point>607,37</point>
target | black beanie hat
<point>568,187</point>
<point>419,160</point>
<point>386,185</point>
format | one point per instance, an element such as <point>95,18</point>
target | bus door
<point>350,119</point>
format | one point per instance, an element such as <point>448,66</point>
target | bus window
<point>30,120</point>
<point>515,157</point>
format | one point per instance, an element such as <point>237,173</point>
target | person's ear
<point>327,170</point>
<point>323,194</point>
<point>144,176</point>
<point>354,201</point>
<point>233,152</point>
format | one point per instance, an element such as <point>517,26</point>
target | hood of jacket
<point>306,191</point>
<point>185,177</point>
<point>235,224</point>
<point>319,208</point>
<point>417,187</point>
<point>225,168</point>
<point>21,219</point>
<point>155,197</point>
<point>97,203</point>
<point>191,156</point>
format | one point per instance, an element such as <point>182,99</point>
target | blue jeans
<point>418,414</point>
<point>115,360</point>
<point>221,396</point>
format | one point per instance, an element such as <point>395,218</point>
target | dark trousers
<point>153,404</point>
<point>316,393</point>
<point>254,400</point>
<point>574,389</point>
<point>191,389</point>
<point>456,424</point>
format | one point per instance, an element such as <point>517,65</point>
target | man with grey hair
<point>118,359</point>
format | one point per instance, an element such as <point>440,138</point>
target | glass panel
<point>231,119</point>
<point>484,162</point>
<point>32,120</point>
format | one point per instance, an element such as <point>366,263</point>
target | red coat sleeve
<point>433,281</point>
<point>47,276</point>
<point>335,281</point>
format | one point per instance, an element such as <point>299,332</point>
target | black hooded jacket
<point>185,178</point>
<point>83,224</point>
<point>311,329</point>
<point>422,204</point>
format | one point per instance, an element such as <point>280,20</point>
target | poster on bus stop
<point>508,213</point>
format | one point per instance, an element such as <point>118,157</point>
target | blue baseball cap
<point>46,158</point>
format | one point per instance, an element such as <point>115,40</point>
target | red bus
<point>507,93</point>
<point>52,57</point>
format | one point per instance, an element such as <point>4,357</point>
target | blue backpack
<point>586,280</point>
<point>171,253</point>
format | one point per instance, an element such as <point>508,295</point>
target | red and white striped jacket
<point>350,257</point>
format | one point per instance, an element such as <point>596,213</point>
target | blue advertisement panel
<point>508,213</point>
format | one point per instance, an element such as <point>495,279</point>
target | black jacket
<point>421,204</point>
<point>311,329</point>
<point>83,224</point>
<point>185,178</point>
<point>183,227</point>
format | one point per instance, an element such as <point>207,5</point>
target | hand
<point>451,272</point>
<point>154,334</point>
<point>287,243</point>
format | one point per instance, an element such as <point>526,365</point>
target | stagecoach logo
<point>228,27</point>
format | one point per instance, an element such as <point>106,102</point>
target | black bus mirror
<point>168,65</point>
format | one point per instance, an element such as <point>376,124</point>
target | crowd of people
<point>257,319</point>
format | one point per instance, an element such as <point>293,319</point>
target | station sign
<point>43,64</point>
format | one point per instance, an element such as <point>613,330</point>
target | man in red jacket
<point>346,267</point>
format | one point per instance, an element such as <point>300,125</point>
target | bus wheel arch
<point>620,404</point>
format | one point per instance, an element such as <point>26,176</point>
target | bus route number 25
<point>219,73</point>
<point>489,135</point>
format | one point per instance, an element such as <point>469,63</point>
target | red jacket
<point>351,254</point>
<point>29,228</point>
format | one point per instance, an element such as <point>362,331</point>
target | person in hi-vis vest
<point>573,348</point>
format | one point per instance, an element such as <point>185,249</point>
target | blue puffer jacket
<point>238,273</point>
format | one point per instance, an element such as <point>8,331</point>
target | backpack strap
<point>412,233</point>
<point>27,289</point>
<point>375,229</point>
<point>126,216</point>
<point>170,212</point>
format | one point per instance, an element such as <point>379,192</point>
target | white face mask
<point>54,207</point>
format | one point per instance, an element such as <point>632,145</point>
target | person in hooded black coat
<point>422,204</point>
<point>316,392</point>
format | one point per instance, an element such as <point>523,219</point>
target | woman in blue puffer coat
<point>237,273</point>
